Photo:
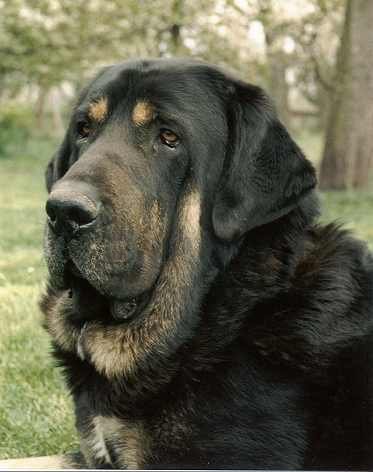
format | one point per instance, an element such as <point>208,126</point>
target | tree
<point>348,151</point>
<point>48,44</point>
<point>300,46</point>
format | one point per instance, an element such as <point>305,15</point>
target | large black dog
<point>202,317</point>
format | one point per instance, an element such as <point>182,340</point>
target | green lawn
<point>35,411</point>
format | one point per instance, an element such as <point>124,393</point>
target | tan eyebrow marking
<point>98,109</point>
<point>143,113</point>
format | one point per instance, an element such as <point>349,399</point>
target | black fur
<point>271,364</point>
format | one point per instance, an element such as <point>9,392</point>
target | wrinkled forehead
<point>143,90</point>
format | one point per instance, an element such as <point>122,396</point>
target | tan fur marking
<point>62,332</point>
<point>129,439</point>
<point>97,440</point>
<point>98,110</point>
<point>112,350</point>
<point>191,214</point>
<point>142,113</point>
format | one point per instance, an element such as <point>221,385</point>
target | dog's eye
<point>169,138</point>
<point>84,129</point>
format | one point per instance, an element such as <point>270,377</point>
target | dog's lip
<point>120,309</point>
<point>73,232</point>
<point>129,308</point>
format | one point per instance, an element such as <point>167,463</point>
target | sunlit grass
<point>352,208</point>
<point>35,411</point>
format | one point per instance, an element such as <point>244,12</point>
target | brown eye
<point>169,138</point>
<point>84,129</point>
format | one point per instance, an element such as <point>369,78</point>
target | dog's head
<point>143,136</point>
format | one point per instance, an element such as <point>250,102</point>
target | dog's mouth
<point>89,304</point>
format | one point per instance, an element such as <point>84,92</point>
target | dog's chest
<point>115,442</point>
<point>97,442</point>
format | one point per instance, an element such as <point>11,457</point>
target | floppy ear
<point>59,163</point>
<point>265,173</point>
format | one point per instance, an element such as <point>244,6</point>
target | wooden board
<point>46,462</point>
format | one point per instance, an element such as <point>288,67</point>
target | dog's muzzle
<point>72,209</point>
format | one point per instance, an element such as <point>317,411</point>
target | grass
<point>35,410</point>
<point>352,208</point>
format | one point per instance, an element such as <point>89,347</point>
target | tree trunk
<point>348,149</point>
<point>277,65</point>
<point>278,86</point>
<point>175,29</point>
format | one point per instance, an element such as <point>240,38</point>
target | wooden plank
<point>29,463</point>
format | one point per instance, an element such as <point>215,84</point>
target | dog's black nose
<point>71,208</point>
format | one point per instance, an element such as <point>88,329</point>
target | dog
<point>202,317</point>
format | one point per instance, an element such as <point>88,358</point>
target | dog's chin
<point>89,303</point>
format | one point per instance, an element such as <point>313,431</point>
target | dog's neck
<point>254,269</point>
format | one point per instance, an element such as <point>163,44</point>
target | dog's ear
<point>265,173</point>
<point>59,163</point>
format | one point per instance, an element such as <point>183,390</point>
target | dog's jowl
<point>204,319</point>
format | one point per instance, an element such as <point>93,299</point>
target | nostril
<point>52,217</point>
<point>81,215</point>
